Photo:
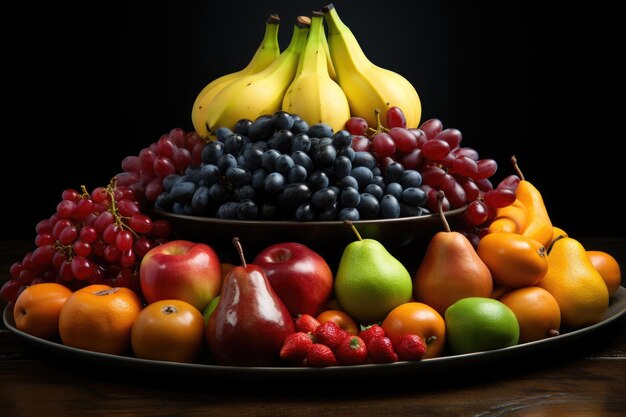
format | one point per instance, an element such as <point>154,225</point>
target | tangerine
<point>537,312</point>
<point>99,318</point>
<point>37,308</point>
<point>420,319</point>
<point>342,318</point>
<point>608,267</point>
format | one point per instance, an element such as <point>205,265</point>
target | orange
<point>168,330</point>
<point>537,312</point>
<point>514,260</point>
<point>37,309</point>
<point>608,268</point>
<point>340,317</point>
<point>420,319</point>
<point>99,318</point>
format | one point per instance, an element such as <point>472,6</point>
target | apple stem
<point>237,244</point>
<point>516,167</point>
<point>444,221</point>
<point>350,225</point>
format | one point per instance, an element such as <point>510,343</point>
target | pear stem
<point>350,225</point>
<point>444,221</point>
<point>516,167</point>
<point>237,244</point>
<point>552,333</point>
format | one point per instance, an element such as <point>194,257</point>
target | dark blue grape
<point>329,213</point>
<point>376,171</point>
<point>274,183</point>
<point>179,208</point>
<point>363,175</point>
<point>228,210</point>
<point>414,196</point>
<point>395,189</point>
<point>297,173</point>
<point>234,144</point>
<point>299,126</point>
<point>349,181</point>
<point>394,172</point>
<point>247,210</point>
<point>183,191</point>
<point>283,164</point>
<point>302,158</point>
<point>246,192</point>
<point>252,156</point>
<point>200,200</point>
<point>325,154</point>
<point>408,210</point>
<point>349,197</point>
<point>192,174</point>
<point>375,190</point>
<point>305,212</point>
<point>209,174</point>
<point>170,181</point>
<point>163,202</point>
<point>212,151</point>
<point>324,198</point>
<point>261,128</point>
<point>348,152</point>
<point>348,213</point>
<point>268,159</point>
<point>364,159</point>
<point>217,192</point>
<point>411,178</point>
<point>319,179</point>
<point>301,142</point>
<point>368,207</point>
<point>295,194</point>
<point>226,161</point>
<point>222,133</point>
<point>242,126</point>
<point>238,176</point>
<point>342,139</point>
<point>321,130</point>
<point>283,120</point>
<point>281,141</point>
<point>258,179</point>
<point>378,180</point>
<point>342,166</point>
<point>389,207</point>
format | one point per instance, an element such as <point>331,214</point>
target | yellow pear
<point>576,285</point>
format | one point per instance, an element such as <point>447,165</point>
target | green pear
<point>370,282</point>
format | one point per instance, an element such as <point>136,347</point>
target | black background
<point>89,83</point>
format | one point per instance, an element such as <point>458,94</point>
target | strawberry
<point>295,347</point>
<point>306,323</point>
<point>319,356</point>
<point>410,347</point>
<point>370,332</point>
<point>380,350</point>
<point>351,351</point>
<point>330,334</point>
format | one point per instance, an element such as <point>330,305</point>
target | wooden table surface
<point>586,377</point>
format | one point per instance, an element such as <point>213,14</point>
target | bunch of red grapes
<point>171,154</point>
<point>436,153</point>
<point>91,238</point>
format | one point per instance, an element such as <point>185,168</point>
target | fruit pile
<point>299,135</point>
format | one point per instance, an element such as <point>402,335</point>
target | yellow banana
<point>265,54</point>
<point>254,95</point>
<point>329,61</point>
<point>368,87</point>
<point>313,95</point>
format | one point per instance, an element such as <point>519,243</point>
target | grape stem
<point>119,220</point>
<point>444,221</point>
<point>516,167</point>
<point>379,128</point>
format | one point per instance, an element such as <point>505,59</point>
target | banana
<point>313,94</point>
<point>367,86</point>
<point>254,95</point>
<point>331,67</point>
<point>265,54</point>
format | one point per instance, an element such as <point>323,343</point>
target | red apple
<point>181,270</point>
<point>300,276</point>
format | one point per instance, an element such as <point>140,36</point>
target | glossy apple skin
<point>250,322</point>
<point>181,270</point>
<point>300,276</point>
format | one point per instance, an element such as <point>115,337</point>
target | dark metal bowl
<point>405,238</point>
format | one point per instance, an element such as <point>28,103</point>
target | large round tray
<point>617,308</point>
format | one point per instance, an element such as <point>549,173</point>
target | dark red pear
<point>250,322</point>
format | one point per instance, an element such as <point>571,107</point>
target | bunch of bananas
<point>320,78</point>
